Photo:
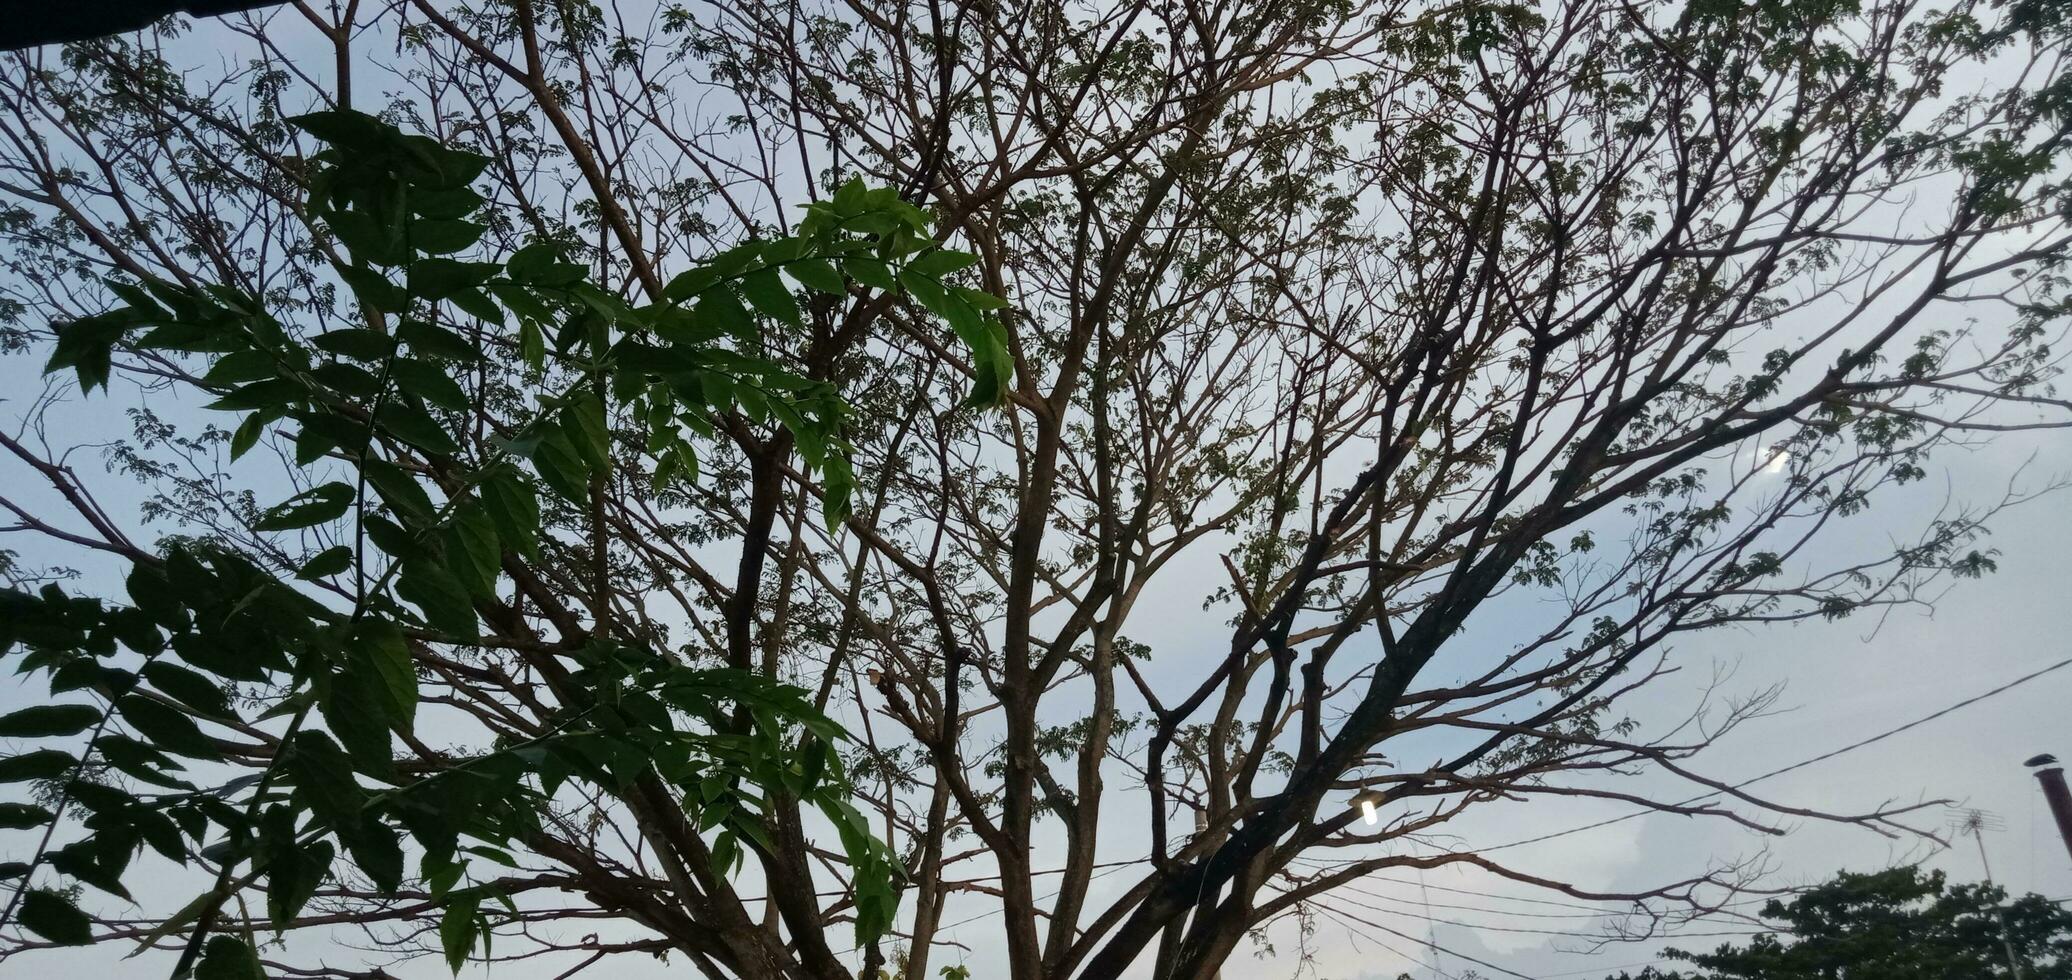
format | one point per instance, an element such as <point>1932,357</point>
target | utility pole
<point>2052,776</point>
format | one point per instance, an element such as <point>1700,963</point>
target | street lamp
<point>1367,801</point>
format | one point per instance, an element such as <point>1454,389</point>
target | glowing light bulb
<point>1367,812</point>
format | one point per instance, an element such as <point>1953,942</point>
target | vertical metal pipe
<point>2052,776</point>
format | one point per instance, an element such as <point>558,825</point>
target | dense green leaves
<point>21,816</point>
<point>1896,924</point>
<point>228,958</point>
<point>414,516</point>
<point>55,918</point>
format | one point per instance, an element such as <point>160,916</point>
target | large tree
<point>1898,924</point>
<point>1343,332</point>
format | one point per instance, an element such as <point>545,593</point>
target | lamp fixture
<point>1367,801</point>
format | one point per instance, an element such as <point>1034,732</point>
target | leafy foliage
<point>210,646</point>
<point>1898,924</point>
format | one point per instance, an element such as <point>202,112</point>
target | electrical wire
<point>1456,954</point>
<point>1823,757</point>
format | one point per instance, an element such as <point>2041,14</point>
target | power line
<point>1851,747</point>
<point>1823,757</point>
<point>1399,954</point>
<point>1524,930</point>
<point>1596,970</point>
<point>1456,954</point>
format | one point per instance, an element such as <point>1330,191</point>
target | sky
<point>1844,682</point>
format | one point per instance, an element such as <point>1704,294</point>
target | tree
<point>1896,923</point>
<point>721,750</point>
<point>1397,319</point>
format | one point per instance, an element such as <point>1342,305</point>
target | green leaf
<point>400,490</point>
<point>375,848</point>
<point>380,647</point>
<point>451,167</point>
<point>816,274</point>
<point>430,382</point>
<point>55,918</point>
<point>942,262</point>
<point>561,466</point>
<point>445,203</point>
<point>583,419</point>
<point>429,586</point>
<point>980,299</point>
<point>457,928</point>
<point>188,688</point>
<point>87,346</point>
<point>476,303</point>
<point>472,550</point>
<point>323,777</point>
<point>141,761</point>
<point>22,816</point>
<point>317,505</point>
<point>992,364</point>
<point>166,727</point>
<point>413,425</point>
<point>768,294</point>
<point>153,592</point>
<point>850,197</point>
<point>721,310</point>
<point>367,237</point>
<point>347,379</point>
<point>344,128</point>
<point>331,431</point>
<point>514,509</point>
<point>838,484</point>
<point>869,271</point>
<point>100,860</point>
<point>228,958</point>
<point>250,364</point>
<point>360,344</point>
<point>374,289</point>
<point>49,720</point>
<point>532,345</point>
<point>312,443</point>
<point>292,876</point>
<point>40,764</point>
<point>432,340</point>
<point>438,278</point>
<point>277,395</point>
<point>926,291</point>
<point>533,261</point>
<point>247,435</point>
<point>726,853</point>
<point>326,563</point>
<point>355,709</point>
<point>440,236</point>
<point>689,284</point>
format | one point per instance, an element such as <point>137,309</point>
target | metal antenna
<point>1977,823</point>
